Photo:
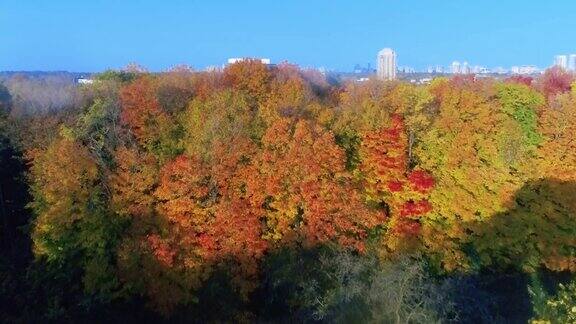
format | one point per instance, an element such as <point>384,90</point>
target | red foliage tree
<point>554,81</point>
<point>388,180</point>
<point>209,220</point>
<point>520,79</point>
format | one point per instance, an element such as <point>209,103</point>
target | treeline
<point>271,194</point>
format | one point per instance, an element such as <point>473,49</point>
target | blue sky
<point>78,35</point>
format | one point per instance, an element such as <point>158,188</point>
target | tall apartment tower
<point>572,62</point>
<point>465,69</point>
<point>561,61</point>
<point>455,68</point>
<point>386,62</point>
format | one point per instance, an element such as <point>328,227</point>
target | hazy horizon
<point>89,37</point>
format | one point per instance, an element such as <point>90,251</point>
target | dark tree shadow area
<point>15,245</point>
<point>536,236</point>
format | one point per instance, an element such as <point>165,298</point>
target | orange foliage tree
<point>250,77</point>
<point>153,127</point>
<point>300,179</point>
<point>557,155</point>
<point>133,182</point>
<point>140,108</point>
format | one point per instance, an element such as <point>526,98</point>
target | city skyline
<point>91,37</point>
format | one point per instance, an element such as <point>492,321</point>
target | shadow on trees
<point>15,245</point>
<point>327,284</point>
<point>536,236</point>
<point>539,229</point>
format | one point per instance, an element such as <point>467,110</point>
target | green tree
<point>73,225</point>
<point>522,103</point>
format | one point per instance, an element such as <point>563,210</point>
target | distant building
<point>499,70</point>
<point>529,69</point>
<point>359,69</point>
<point>406,69</point>
<point>386,62</point>
<point>561,61</point>
<point>424,80</point>
<point>465,69</point>
<point>477,69</point>
<point>233,60</point>
<point>213,68</point>
<point>369,68</point>
<point>572,62</point>
<point>435,69</point>
<point>83,80</point>
<point>455,68</point>
<point>524,69</point>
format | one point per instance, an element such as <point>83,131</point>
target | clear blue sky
<point>92,35</point>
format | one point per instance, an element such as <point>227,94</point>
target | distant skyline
<point>90,36</point>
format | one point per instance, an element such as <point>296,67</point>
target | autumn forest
<point>280,194</point>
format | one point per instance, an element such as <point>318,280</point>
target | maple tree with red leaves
<point>554,81</point>
<point>388,180</point>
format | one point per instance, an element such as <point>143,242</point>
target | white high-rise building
<point>561,61</point>
<point>456,67</point>
<point>465,69</point>
<point>572,62</point>
<point>386,62</point>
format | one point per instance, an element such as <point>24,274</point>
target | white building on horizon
<point>213,68</point>
<point>386,64</point>
<point>455,67</point>
<point>465,69</point>
<point>499,70</point>
<point>572,62</point>
<point>561,61</point>
<point>83,80</point>
<point>524,69</point>
<point>478,69</point>
<point>232,60</point>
